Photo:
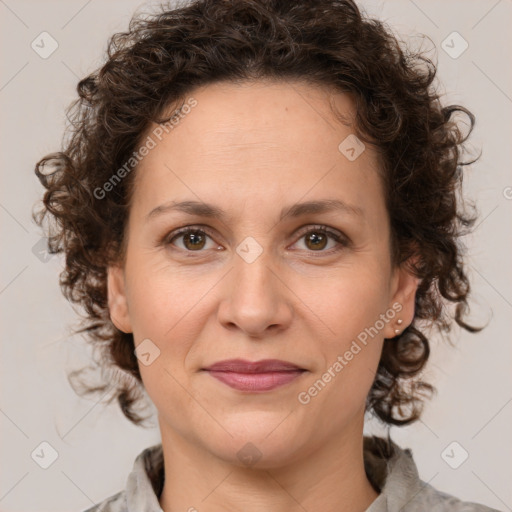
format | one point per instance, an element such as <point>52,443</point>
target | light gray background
<point>96,445</point>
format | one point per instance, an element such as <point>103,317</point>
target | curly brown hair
<point>163,57</point>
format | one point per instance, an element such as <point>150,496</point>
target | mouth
<point>256,376</point>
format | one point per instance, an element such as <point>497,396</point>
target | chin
<point>258,440</point>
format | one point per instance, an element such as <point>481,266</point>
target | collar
<point>389,468</point>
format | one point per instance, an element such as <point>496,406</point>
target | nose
<point>255,299</point>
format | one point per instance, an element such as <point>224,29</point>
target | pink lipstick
<point>254,376</point>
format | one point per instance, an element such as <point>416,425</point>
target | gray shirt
<point>390,469</point>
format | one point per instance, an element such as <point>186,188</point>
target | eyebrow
<point>296,210</point>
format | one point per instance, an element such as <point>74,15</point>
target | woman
<point>259,207</point>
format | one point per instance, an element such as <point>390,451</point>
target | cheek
<point>171,307</point>
<point>167,310</point>
<point>161,310</point>
<point>347,301</point>
<point>350,305</point>
<point>159,296</point>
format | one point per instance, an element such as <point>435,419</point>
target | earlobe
<point>117,301</point>
<point>403,301</point>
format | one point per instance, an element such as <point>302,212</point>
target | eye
<point>317,238</point>
<point>193,239</point>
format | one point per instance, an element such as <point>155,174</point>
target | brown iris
<point>196,239</point>
<point>318,240</point>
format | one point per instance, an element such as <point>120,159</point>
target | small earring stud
<point>397,331</point>
<point>399,321</point>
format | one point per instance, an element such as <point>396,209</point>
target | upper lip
<point>262,366</point>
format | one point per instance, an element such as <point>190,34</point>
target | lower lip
<point>255,381</point>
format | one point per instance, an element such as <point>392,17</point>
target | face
<point>257,274</point>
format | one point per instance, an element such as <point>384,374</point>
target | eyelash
<point>337,237</point>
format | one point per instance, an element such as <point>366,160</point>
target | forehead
<point>274,140</point>
<point>281,116</point>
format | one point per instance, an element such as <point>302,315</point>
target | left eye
<point>316,239</point>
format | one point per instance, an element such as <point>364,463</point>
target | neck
<point>331,477</point>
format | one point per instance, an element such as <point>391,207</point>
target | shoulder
<point>393,470</point>
<point>142,485</point>
<point>115,503</point>
<point>430,498</point>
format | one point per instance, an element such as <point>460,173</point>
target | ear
<point>117,302</point>
<point>404,287</point>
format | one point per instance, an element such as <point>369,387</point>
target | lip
<point>262,366</point>
<point>255,376</point>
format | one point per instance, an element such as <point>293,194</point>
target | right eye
<point>193,239</point>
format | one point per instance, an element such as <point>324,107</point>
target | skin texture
<point>253,149</point>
